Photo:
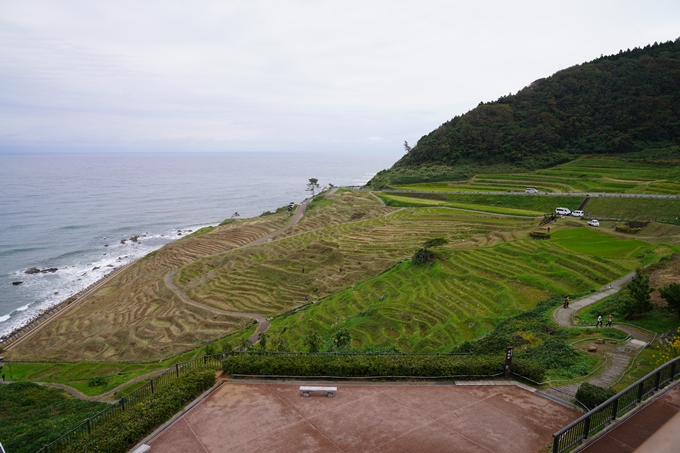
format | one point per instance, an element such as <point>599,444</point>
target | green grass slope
<point>463,295</point>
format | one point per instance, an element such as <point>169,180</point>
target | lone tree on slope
<point>638,296</point>
<point>312,186</point>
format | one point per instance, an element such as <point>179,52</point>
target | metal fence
<point>132,398</point>
<point>624,401</point>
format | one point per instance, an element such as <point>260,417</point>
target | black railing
<point>617,405</point>
<point>132,398</point>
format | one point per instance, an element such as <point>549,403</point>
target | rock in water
<point>33,270</point>
<point>50,270</point>
<point>17,283</point>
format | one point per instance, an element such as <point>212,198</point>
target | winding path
<point>619,357</point>
<point>263,323</point>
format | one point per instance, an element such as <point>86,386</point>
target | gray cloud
<point>282,75</point>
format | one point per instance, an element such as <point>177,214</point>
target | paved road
<point>523,194</point>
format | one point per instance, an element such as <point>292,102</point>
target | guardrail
<point>129,400</point>
<point>619,404</point>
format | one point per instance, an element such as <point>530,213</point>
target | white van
<point>562,211</point>
<point>530,190</point>
<point>577,213</point>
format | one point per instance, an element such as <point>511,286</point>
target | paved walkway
<point>618,356</point>
<point>275,418</point>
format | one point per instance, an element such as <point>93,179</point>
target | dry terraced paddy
<point>466,292</point>
<point>134,316</point>
<point>269,279</point>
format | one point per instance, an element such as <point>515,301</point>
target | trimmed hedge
<point>592,396</point>
<point>319,365</point>
<point>123,432</point>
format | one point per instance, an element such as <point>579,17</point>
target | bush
<point>96,381</point>
<point>539,235</point>
<point>423,256</point>
<point>316,365</point>
<point>435,242</point>
<point>592,396</point>
<point>121,433</point>
<point>529,369</point>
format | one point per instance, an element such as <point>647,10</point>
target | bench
<point>306,390</point>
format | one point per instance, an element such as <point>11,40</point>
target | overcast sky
<point>285,75</point>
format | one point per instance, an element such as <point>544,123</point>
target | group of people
<point>610,319</point>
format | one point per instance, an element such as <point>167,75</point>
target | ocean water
<point>70,211</point>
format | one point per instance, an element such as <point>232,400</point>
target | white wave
<point>53,288</point>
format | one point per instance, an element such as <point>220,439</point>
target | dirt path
<point>263,323</point>
<point>618,356</point>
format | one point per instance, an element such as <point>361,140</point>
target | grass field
<point>586,174</point>
<point>462,296</point>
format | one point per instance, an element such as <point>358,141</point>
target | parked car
<point>531,190</point>
<point>594,223</point>
<point>577,213</point>
<point>562,211</point>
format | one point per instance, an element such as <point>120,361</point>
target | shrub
<point>96,381</point>
<point>121,433</point>
<point>529,369</point>
<point>539,235</point>
<point>435,242</point>
<point>423,256</point>
<point>592,396</point>
<point>355,365</point>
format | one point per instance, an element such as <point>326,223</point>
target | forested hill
<point>624,103</point>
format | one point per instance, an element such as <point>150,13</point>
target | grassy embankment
<point>587,175</point>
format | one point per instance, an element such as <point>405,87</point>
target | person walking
<point>609,320</point>
<point>566,301</point>
<point>599,321</point>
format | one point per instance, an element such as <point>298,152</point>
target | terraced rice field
<point>462,296</point>
<point>135,317</point>
<point>350,251</point>
<point>269,279</point>
<point>587,174</point>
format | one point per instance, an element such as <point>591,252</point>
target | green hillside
<point>625,104</point>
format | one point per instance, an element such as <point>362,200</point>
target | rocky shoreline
<point>43,315</point>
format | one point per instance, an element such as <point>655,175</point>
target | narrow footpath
<point>618,356</point>
<point>263,323</point>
